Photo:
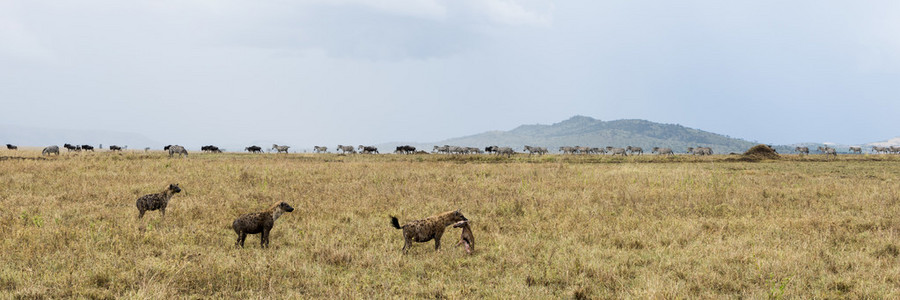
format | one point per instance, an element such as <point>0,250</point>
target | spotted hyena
<point>427,229</point>
<point>466,238</point>
<point>259,222</point>
<point>157,201</point>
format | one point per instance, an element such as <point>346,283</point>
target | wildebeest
<point>114,148</point>
<point>346,149</point>
<point>614,151</point>
<point>491,149</point>
<point>259,222</point>
<point>856,149</point>
<point>71,147</point>
<point>802,150</point>
<point>430,228</point>
<point>87,148</point>
<point>368,149</point>
<point>210,149</point>
<point>176,149</point>
<point>828,151</point>
<point>157,201</point>
<point>320,149</point>
<point>50,150</point>
<point>11,147</point>
<point>405,149</point>
<point>663,151</point>
<point>254,149</point>
<point>280,148</point>
<point>633,150</point>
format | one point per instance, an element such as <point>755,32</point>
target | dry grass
<point>546,227</point>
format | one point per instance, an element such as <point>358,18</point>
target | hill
<point>587,131</point>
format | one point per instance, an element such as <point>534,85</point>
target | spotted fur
<point>427,229</point>
<point>259,222</point>
<point>157,201</point>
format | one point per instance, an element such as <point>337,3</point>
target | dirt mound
<point>760,152</point>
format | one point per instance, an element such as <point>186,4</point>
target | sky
<point>317,72</point>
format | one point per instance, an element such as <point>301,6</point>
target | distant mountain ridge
<point>587,131</point>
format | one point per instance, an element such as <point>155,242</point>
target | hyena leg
<point>437,241</point>
<point>264,239</point>
<point>242,237</point>
<point>163,211</point>
<point>141,213</point>
<point>238,241</point>
<point>406,246</point>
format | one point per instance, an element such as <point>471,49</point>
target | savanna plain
<point>554,226</point>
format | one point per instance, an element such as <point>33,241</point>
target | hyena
<point>466,238</point>
<point>259,222</point>
<point>427,229</point>
<point>157,201</point>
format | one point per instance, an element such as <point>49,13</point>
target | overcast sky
<point>325,72</point>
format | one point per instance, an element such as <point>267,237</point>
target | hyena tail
<point>395,222</point>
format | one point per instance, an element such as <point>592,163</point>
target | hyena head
<point>174,188</point>
<point>458,216</point>
<point>285,207</point>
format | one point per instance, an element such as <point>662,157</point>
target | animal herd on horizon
<point>459,150</point>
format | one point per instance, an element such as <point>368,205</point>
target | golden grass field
<point>545,227</point>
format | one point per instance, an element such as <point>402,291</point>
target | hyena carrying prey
<point>259,222</point>
<point>427,229</point>
<point>466,239</point>
<point>157,201</point>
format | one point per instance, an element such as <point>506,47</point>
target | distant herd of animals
<point>447,149</point>
<point>424,230</point>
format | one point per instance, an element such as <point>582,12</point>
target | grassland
<point>545,227</point>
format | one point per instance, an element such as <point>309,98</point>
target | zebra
<point>615,151</point>
<point>280,148</point>
<point>827,151</point>
<point>700,151</point>
<point>474,150</point>
<point>632,150</point>
<point>879,149</point>
<point>320,149</point>
<point>567,150</point>
<point>368,149</point>
<point>173,149</point>
<point>12,147</point>
<point>802,150</point>
<point>856,149</point>
<point>50,150</point>
<point>505,150</point>
<point>346,149</point>
<point>895,149</point>
<point>663,151</point>
<point>538,150</point>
